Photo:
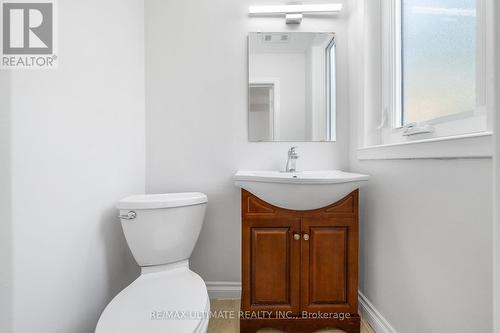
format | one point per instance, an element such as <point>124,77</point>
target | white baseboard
<point>370,314</point>
<point>223,290</point>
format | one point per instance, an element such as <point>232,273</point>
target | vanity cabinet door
<point>271,264</point>
<point>329,252</point>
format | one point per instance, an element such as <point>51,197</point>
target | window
<point>331,92</point>
<point>436,70</point>
<point>438,59</point>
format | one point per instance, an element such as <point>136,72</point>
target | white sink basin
<point>300,190</point>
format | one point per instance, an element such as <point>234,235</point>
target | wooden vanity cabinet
<point>299,268</point>
<point>272,265</point>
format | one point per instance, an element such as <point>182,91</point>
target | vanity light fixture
<point>293,13</point>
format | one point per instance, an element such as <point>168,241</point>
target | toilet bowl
<point>161,231</point>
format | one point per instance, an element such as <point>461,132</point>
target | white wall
<point>290,69</point>
<point>196,95</point>
<point>426,248</point>
<point>6,268</point>
<point>426,226</point>
<point>78,146</point>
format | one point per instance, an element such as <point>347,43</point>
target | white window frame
<point>393,43</point>
<point>476,124</point>
<point>331,86</point>
<point>473,121</point>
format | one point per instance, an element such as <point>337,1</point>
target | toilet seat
<point>159,301</point>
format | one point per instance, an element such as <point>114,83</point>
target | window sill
<point>478,145</point>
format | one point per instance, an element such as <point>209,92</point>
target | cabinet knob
<point>296,236</point>
<point>306,237</point>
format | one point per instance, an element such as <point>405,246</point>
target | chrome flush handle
<point>130,216</point>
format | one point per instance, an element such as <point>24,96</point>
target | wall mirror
<point>291,88</point>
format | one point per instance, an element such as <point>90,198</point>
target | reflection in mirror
<point>292,88</point>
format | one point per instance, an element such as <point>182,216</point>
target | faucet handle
<point>292,150</point>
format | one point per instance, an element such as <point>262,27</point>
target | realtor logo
<point>28,34</point>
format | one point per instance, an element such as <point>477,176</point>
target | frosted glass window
<point>438,58</point>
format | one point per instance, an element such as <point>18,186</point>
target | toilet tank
<point>162,228</point>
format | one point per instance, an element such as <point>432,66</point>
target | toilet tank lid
<point>168,200</point>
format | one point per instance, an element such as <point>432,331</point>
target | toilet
<point>161,231</point>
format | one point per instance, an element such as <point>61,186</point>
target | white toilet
<point>161,231</point>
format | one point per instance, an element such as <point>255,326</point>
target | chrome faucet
<point>292,160</point>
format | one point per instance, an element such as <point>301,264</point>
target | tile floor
<point>233,326</point>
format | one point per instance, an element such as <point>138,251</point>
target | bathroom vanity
<point>299,229</point>
<point>299,266</point>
